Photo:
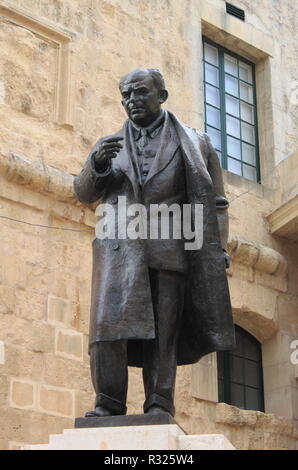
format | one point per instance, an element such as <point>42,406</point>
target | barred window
<point>231,110</point>
<point>240,373</point>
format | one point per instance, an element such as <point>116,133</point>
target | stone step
<point>149,437</point>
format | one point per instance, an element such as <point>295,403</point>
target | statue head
<point>143,92</point>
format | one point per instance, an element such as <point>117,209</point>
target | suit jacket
<point>121,306</point>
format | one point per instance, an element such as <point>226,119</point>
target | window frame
<point>224,358</point>
<point>222,109</point>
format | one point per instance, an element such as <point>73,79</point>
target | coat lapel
<point>126,158</point>
<point>169,144</point>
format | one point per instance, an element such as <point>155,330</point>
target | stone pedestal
<point>135,432</point>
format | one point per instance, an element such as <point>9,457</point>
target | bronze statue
<point>154,304</point>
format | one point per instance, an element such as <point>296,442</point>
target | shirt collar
<point>152,129</point>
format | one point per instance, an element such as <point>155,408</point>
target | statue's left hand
<point>227,259</point>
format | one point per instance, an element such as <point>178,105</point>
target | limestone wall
<point>59,68</point>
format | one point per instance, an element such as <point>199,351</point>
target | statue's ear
<point>163,96</point>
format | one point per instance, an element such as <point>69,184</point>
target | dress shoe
<point>156,410</point>
<point>99,412</point>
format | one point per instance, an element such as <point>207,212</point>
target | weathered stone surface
<point>45,272</point>
<point>149,437</point>
<point>22,394</point>
<point>57,401</point>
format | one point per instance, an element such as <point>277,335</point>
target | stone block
<point>69,344</point>
<point>204,378</point>
<point>204,442</point>
<point>7,299</point>
<point>148,437</point>
<point>60,311</point>
<point>2,353</point>
<point>22,394</point>
<point>56,401</point>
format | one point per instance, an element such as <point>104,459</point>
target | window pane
<point>231,85</point>
<point>237,395</point>
<point>211,74</point>
<point>248,154</point>
<point>232,105</point>
<point>245,72</point>
<point>251,348</point>
<point>231,65</point>
<point>212,95</point>
<point>246,92</point>
<point>233,126</point>
<point>221,391</point>
<point>237,370</point>
<point>247,112</point>
<point>219,157</point>
<point>252,374</point>
<point>252,399</point>
<point>239,344</point>
<point>234,166</point>
<point>250,173</point>
<point>211,54</point>
<point>213,116</point>
<point>215,137</point>
<point>248,133</point>
<point>233,146</point>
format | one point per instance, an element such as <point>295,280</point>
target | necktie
<point>144,139</point>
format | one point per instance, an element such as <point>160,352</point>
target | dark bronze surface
<point>127,420</point>
<point>128,314</point>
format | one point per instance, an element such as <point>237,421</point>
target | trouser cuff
<point>158,400</point>
<point>116,406</point>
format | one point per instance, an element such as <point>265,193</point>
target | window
<point>240,373</point>
<point>230,110</point>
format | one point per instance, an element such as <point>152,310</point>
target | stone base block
<point>149,437</point>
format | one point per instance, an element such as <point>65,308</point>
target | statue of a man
<point>154,303</point>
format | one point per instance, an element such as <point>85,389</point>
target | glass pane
<point>251,374</point>
<point>212,95</point>
<point>248,133</point>
<point>232,105</point>
<point>245,72</point>
<point>231,85</point>
<point>233,146</point>
<point>246,92</point>
<point>237,370</point>
<point>252,399</point>
<point>251,348</point>
<point>248,154</point>
<point>220,365</point>
<point>215,137</point>
<point>213,116</point>
<point>211,74</point>
<point>233,126</point>
<point>221,391</point>
<point>247,112</point>
<point>231,65</point>
<point>234,166</point>
<point>239,343</point>
<point>237,395</point>
<point>219,157</point>
<point>211,54</point>
<point>250,173</point>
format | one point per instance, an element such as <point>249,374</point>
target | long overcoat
<point>121,306</point>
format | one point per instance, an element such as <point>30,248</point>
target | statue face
<point>141,98</point>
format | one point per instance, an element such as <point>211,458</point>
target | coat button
<point>115,246</point>
<point>114,200</point>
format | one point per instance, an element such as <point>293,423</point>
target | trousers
<point>108,359</point>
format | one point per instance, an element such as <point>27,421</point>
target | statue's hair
<point>155,74</point>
